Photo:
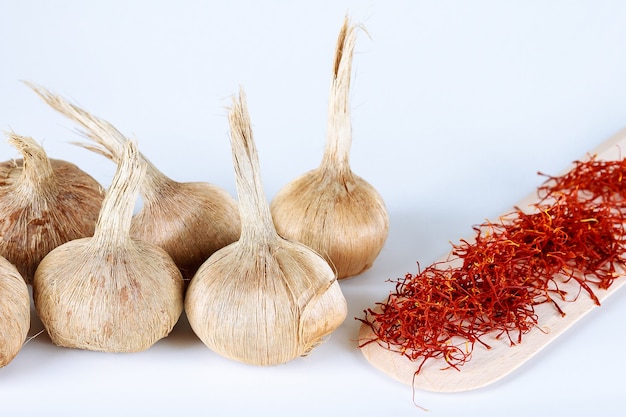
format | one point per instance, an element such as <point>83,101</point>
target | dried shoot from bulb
<point>14,311</point>
<point>110,292</point>
<point>190,220</point>
<point>43,203</point>
<point>330,209</point>
<point>262,300</point>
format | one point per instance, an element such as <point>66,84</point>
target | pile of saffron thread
<point>491,285</point>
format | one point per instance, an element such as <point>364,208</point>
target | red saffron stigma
<point>491,284</point>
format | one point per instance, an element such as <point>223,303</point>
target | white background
<point>456,106</point>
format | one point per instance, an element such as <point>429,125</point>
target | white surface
<point>456,105</point>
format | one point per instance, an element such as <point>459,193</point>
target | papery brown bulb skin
<point>194,220</point>
<point>35,220</point>
<point>108,299</point>
<point>262,300</point>
<point>264,305</point>
<point>341,217</point>
<point>110,292</point>
<point>14,311</point>
<point>335,212</point>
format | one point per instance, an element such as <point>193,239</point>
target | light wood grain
<point>488,366</point>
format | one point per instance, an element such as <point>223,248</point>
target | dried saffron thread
<point>597,179</point>
<point>491,285</point>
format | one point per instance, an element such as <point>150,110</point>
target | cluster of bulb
<point>258,283</point>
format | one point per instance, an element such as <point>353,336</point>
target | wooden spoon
<point>488,366</point>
